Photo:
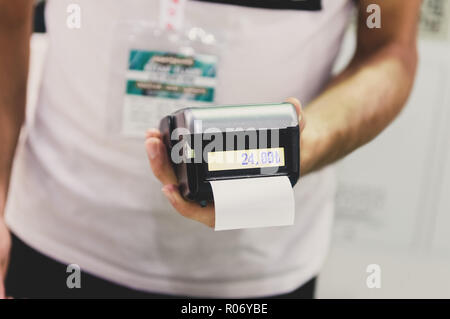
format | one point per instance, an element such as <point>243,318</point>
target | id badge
<point>159,82</point>
<point>157,71</point>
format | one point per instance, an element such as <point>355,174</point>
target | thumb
<point>298,107</point>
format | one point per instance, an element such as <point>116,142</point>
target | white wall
<point>393,203</point>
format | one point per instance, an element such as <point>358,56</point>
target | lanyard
<point>171,14</point>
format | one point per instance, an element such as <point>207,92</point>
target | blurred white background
<point>393,202</point>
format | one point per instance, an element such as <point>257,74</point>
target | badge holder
<point>157,69</point>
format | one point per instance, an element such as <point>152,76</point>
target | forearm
<point>357,105</point>
<point>14,55</point>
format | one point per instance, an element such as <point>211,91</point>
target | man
<point>79,195</point>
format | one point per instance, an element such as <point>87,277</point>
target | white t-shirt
<point>82,196</point>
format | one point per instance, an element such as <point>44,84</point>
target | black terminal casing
<point>266,119</point>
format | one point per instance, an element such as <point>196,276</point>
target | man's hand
<point>5,246</point>
<point>162,168</point>
<point>15,30</point>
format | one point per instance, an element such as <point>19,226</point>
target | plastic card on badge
<point>156,70</point>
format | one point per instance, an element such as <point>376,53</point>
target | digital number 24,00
<point>268,157</point>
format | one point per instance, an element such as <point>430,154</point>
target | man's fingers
<point>153,132</point>
<point>294,101</point>
<point>159,161</point>
<point>298,106</point>
<point>163,170</point>
<point>190,210</point>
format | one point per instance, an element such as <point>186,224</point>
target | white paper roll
<point>253,202</point>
